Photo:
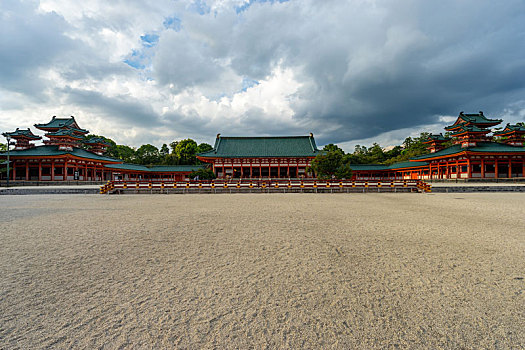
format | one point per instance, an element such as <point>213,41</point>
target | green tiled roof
<point>468,128</point>
<point>61,123</point>
<point>64,132</point>
<point>24,132</point>
<point>46,151</point>
<point>437,137</point>
<point>95,140</point>
<point>156,169</point>
<point>258,147</point>
<point>395,166</point>
<point>481,147</point>
<point>510,128</point>
<point>478,118</point>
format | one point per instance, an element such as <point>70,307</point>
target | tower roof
<point>22,133</point>
<point>477,119</point>
<point>511,129</point>
<point>64,133</point>
<point>96,141</point>
<point>436,138</point>
<point>59,123</point>
<point>468,128</point>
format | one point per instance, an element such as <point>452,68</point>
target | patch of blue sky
<point>136,60</point>
<point>248,83</point>
<point>249,3</point>
<point>200,7</point>
<point>173,23</point>
<point>149,40</point>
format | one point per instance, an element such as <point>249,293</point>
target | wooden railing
<point>275,185</point>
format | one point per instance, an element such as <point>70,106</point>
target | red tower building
<point>23,138</point>
<point>512,135</point>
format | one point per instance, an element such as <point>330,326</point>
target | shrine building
<point>67,155</point>
<point>261,157</point>
<point>469,152</point>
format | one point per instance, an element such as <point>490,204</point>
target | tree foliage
<point>185,151</point>
<point>203,174</point>
<point>330,165</point>
<point>148,155</point>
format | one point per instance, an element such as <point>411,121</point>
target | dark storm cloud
<point>359,68</point>
<point>121,108</point>
<point>29,42</point>
<point>368,69</point>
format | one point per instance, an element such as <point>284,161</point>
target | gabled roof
<point>20,133</point>
<point>96,140</point>
<point>59,123</point>
<point>509,129</point>
<point>477,119</point>
<point>52,150</point>
<point>436,137</point>
<point>260,147</point>
<point>466,128</point>
<point>64,133</point>
<point>481,147</point>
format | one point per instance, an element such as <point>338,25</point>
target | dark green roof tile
<point>61,123</point>
<point>468,128</point>
<point>46,151</point>
<point>510,128</point>
<point>476,119</point>
<point>258,147</point>
<point>481,147</point>
<point>22,132</point>
<point>64,132</point>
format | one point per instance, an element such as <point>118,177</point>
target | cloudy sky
<point>354,71</point>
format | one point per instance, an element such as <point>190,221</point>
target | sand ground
<point>365,271</point>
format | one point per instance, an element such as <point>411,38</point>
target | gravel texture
<point>368,271</point>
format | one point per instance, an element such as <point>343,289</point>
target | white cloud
<point>349,71</point>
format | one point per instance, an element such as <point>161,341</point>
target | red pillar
<point>14,171</point>
<point>468,169</point>
<point>482,168</point>
<point>27,170</point>
<point>52,170</point>
<point>510,168</point>
<point>64,177</point>
<point>40,170</point>
<point>496,174</point>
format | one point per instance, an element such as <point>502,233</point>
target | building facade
<point>64,157</point>
<point>261,157</point>
<point>471,154</point>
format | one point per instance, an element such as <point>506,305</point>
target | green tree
<point>173,146</point>
<point>164,150</point>
<point>126,153</point>
<point>204,147</point>
<point>3,147</point>
<point>333,148</point>
<point>185,151</point>
<point>330,164</point>
<point>147,154</point>
<point>203,174</point>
